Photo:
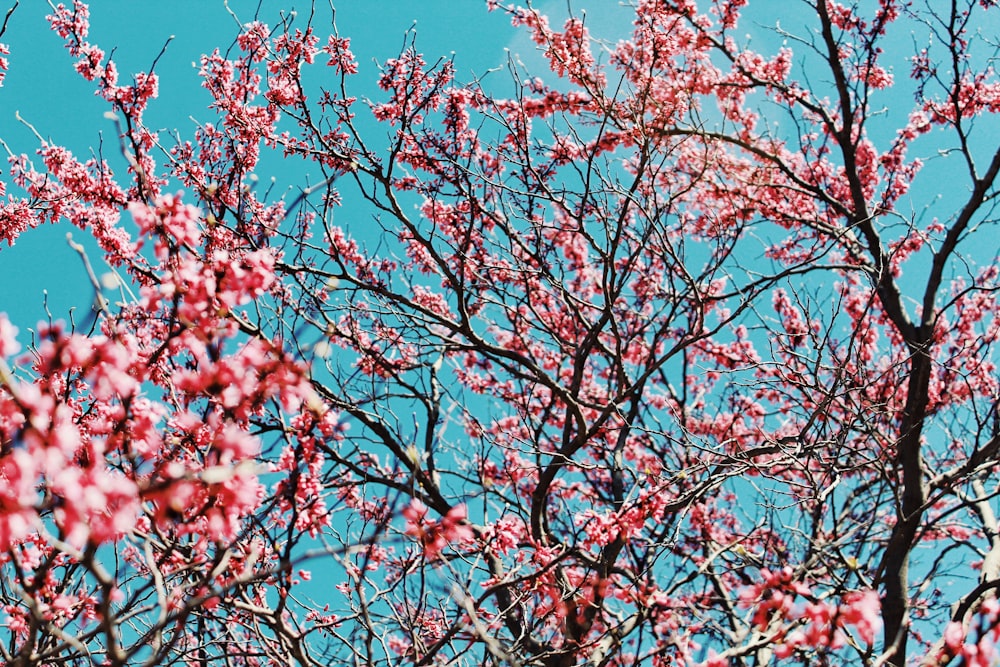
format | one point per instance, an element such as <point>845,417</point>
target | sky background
<point>44,89</point>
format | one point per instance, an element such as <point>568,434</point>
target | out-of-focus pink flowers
<point>433,535</point>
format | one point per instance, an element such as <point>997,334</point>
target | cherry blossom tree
<point>678,352</point>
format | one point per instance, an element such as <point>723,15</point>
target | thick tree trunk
<point>911,496</point>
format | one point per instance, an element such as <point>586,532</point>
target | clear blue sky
<point>43,87</point>
<point>47,92</point>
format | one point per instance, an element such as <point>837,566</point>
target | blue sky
<point>47,93</point>
<point>43,87</point>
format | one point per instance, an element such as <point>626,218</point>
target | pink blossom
<point>862,609</point>
<point>4,64</point>
<point>435,536</point>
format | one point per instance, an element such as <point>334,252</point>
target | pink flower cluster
<point>434,536</point>
<point>812,623</point>
<point>976,644</point>
<point>4,63</point>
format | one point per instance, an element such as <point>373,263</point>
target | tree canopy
<point>678,352</point>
